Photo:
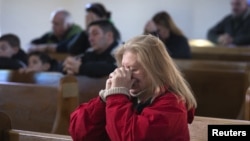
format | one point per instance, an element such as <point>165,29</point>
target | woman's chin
<point>134,91</point>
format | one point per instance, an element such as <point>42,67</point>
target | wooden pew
<point>41,78</point>
<point>68,101</point>
<point>89,87</point>
<point>211,64</point>
<point>199,128</point>
<point>221,53</point>
<point>40,108</point>
<point>60,57</point>
<point>221,87</point>
<point>7,133</point>
<point>31,107</point>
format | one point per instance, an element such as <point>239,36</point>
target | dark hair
<point>45,58</point>
<point>98,9</point>
<point>107,26</point>
<point>12,39</point>
<point>164,19</point>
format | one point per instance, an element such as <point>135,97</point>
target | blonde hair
<point>165,20</point>
<point>159,66</point>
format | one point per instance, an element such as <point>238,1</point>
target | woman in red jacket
<point>145,99</point>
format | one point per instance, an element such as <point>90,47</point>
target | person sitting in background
<point>234,29</point>
<point>60,39</point>
<point>11,54</point>
<point>176,43</point>
<point>146,99</point>
<point>39,62</point>
<point>95,12</point>
<point>98,60</point>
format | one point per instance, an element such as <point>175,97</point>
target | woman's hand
<point>121,77</point>
<point>150,27</point>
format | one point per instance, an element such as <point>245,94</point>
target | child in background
<point>40,61</point>
<point>11,54</point>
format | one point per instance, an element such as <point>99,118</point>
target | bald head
<point>238,7</point>
<point>61,21</point>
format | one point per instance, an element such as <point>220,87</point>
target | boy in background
<point>11,54</point>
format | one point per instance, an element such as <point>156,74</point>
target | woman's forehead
<point>129,59</point>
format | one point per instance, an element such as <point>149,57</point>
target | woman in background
<point>176,43</point>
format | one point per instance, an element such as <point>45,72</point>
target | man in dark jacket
<point>234,29</point>
<point>61,37</point>
<point>98,60</point>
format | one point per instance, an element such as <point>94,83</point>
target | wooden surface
<point>89,87</point>
<point>218,87</point>
<point>221,53</point>
<point>40,78</point>
<point>30,107</point>
<point>68,101</point>
<point>22,135</point>
<point>199,128</point>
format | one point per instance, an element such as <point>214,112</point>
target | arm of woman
<point>88,121</point>
<point>165,119</point>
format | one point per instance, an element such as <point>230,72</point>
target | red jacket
<point>165,119</point>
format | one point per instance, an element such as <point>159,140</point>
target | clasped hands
<point>120,77</point>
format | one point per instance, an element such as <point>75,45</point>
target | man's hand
<point>72,65</point>
<point>225,39</point>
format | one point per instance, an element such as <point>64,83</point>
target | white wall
<point>30,18</point>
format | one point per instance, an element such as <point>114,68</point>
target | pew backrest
<point>89,87</point>
<point>211,64</point>
<point>40,78</point>
<point>218,84</point>
<point>30,107</point>
<point>22,135</point>
<point>68,101</point>
<point>219,93</point>
<point>221,53</point>
<point>198,129</point>
<point>5,126</point>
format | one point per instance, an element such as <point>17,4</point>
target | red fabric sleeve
<point>87,122</point>
<point>165,119</point>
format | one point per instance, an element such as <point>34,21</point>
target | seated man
<point>61,38</point>
<point>98,60</point>
<point>94,12</point>
<point>11,54</point>
<point>234,29</point>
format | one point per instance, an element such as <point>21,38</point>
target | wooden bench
<point>199,128</point>
<point>60,57</point>
<point>41,78</point>
<point>40,108</point>
<point>7,133</point>
<point>221,87</point>
<point>221,53</point>
<point>89,87</point>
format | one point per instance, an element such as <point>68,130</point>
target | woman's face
<point>163,32</point>
<point>91,17</point>
<point>142,81</point>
